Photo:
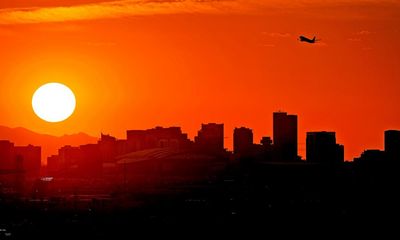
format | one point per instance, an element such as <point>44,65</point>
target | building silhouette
<point>210,138</point>
<point>110,147</point>
<point>242,141</point>
<point>53,164</point>
<point>160,174</point>
<point>20,158</point>
<point>157,137</point>
<point>285,136</point>
<point>29,159</point>
<point>93,159</point>
<point>370,157</point>
<point>7,155</point>
<point>321,147</point>
<point>90,163</point>
<point>135,140</point>
<point>266,142</point>
<point>392,145</point>
<point>69,156</point>
<point>263,152</point>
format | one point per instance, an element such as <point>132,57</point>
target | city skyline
<point>321,146</point>
<point>229,144</point>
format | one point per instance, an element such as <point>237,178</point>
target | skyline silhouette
<point>21,136</point>
<point>159,173</point>
<point>321,146</point>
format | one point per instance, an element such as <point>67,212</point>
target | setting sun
<point>53,102</point>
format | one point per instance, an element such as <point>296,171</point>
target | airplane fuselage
<point>305,39</point>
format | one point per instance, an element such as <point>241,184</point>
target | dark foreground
<point>263,197</point>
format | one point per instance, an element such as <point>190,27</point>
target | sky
<point>140,64</point>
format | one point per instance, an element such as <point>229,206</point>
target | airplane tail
<point>313,39</point>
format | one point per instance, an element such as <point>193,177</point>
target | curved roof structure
<point>160,153</point>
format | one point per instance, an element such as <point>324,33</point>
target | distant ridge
<point>50,144</point>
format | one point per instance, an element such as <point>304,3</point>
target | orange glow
<point>137,66</point>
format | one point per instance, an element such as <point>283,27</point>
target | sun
<point>53,102</point>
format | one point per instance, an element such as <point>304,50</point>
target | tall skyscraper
<point>285,136</point>
<point>242,141</point>
<point>392,144</point>
<point>210,138</point>
<point>322,148</point>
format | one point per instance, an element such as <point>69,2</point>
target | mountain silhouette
<point>50,144</point>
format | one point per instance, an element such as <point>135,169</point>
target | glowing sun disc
<point>53,102</point>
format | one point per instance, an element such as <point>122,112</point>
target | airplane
<point>305,39</point>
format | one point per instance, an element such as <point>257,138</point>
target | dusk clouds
<point>92,9</point>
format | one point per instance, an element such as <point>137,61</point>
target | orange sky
<point>138,64</point>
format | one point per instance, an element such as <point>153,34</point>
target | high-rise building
<point>90,163</point>
<point>392,145</point>
<point>107,147</point>
<point>25,158</point>
<point>242,141</point>
<point>53,164</point>
<point>285,136</point>
<point>322,148</point>
<point>210,138</point>
<point>7,155</point>
<point>135,140</point>
<point>69,156</point>
<point>28,158</point>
